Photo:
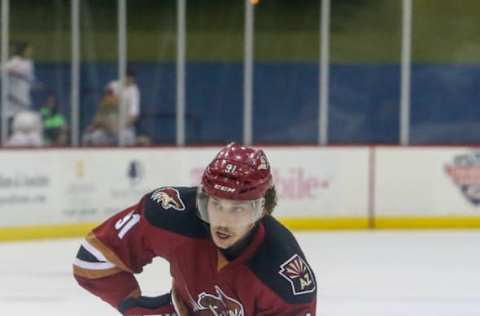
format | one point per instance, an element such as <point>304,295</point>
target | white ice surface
<point>421,273</point>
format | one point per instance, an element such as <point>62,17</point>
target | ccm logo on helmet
<point>223,188</point>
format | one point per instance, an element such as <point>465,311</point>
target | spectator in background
<point>27,130</point>
<point>131,96</point>
<point>54,123</point>
<point>104,129</point>
<point>21,76</point>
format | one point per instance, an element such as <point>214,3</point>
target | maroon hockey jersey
<point>270,277</point>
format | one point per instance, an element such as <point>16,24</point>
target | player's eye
<point>216,204</point>
<point>238,209</point>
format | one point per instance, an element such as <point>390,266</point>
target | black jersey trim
<point>278,249</point>
<point>178,216</point>
<point>145,302</point>
<point>85,255</point>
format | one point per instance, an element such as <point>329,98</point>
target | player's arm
<point>287,303</point>
<point>285,309</point>
<point>287,284</point>
<point>286,289</point>
<point>110,255</point>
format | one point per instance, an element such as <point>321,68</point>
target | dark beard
<point>235,250</point>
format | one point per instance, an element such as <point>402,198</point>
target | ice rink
<point>378,273</point>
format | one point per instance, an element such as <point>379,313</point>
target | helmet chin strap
<point>238,247</point>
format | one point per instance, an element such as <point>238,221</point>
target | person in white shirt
<point>20,70</point>
<point>27,130</point>
<point>131,95</point>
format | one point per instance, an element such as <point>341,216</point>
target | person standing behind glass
<point>20,70</point>
<point>131,94</point>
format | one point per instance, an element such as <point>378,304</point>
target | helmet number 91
<point>229,168</point>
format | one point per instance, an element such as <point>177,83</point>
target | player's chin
<point>220,244</point>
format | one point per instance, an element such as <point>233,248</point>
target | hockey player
<point>228,256</point>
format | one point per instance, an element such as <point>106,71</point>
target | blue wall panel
<point>286,103</point>
<point>364,104</point>
<point>445,104</point>
<point>364,101</point>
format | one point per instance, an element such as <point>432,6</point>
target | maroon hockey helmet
<point>238,173</point>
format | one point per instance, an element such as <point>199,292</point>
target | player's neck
<point>236,249</point>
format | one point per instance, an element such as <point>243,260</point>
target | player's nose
<point>225,220</point>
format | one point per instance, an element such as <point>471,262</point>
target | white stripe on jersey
<point>94,251</point>
<point>93,265</point>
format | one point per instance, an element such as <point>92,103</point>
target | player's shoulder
<point>174,209</point>
<point>280,264</point>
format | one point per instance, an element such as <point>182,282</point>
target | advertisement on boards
<point>438,181</point>
<point>86,185</point>
<point>26,187</point>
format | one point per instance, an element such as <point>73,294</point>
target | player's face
<point>230,220</point>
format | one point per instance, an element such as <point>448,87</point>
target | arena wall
<point>64,192</point>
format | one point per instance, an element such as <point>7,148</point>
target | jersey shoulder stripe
<point>174,209</point>
<point>91,263</point>
<point>281,265</point>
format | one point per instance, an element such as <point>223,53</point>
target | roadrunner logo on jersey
<point>219,305</point>
<point>465,173</point>
<point>298,273</point>
<point>168,198</point>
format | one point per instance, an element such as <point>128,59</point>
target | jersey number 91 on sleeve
<point>126,223</point>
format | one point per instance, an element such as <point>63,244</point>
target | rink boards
<point>65,192</point>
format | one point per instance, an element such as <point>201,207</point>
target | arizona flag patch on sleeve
<point>296,271</point>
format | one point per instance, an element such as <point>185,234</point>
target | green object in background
<point>51,119</point>
<point>54,123</point>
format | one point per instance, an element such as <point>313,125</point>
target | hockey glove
<point>143,305</point>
